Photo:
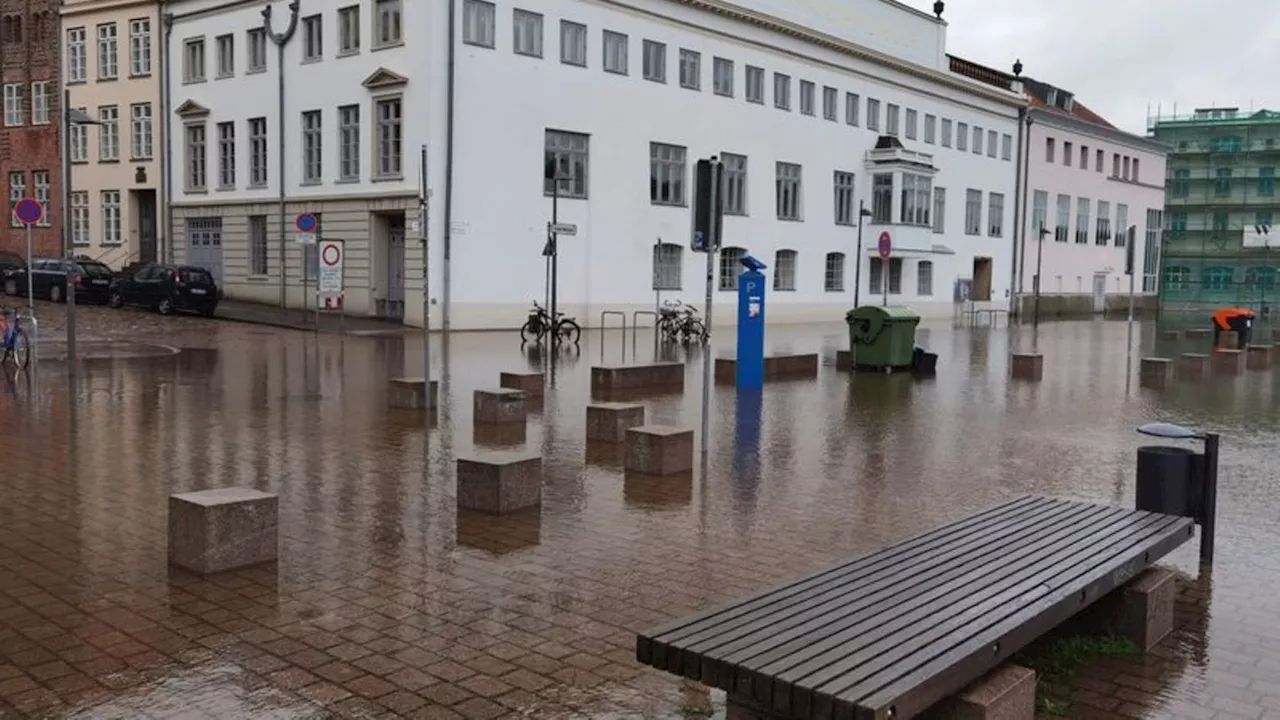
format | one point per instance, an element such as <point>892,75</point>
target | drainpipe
<point>1026,123</point>
<point>448,170</point>
<point>1019,202</point>
<point>166,127</point>
<point>281,40</point>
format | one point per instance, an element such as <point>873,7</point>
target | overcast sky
<point>1119,55</point>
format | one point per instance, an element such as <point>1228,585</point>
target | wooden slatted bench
<point>887,635</point>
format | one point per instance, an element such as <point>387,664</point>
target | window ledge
<point>195,192</point>
<point>226,188</point>
<point>255,71</point>
<point>257,186</point>
<point>388,46</point>
<point>139,75</point>
<point>193,81</point>
<point>669,205</point>
<point>108,79</point>
<point>224,76</point>
<point>388,178</point>
<point>347,181</point>
<point>562,196</point>
<point>116,161</point>
<point>139,159</point>
<point>312,60</point>
<point>348,53</point>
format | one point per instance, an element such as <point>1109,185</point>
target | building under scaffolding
<point>1220,245</point>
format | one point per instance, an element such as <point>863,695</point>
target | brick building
<point>29,119</point>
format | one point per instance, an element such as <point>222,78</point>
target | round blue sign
<point>306,223</point>
<point>28,211</point>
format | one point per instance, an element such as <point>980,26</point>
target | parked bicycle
<point>539,325</point>
<point>679,323</point>
<point>13,339</point>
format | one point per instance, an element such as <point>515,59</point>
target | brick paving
<point>388,602</point>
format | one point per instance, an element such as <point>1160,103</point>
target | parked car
<point>49,280</point>
<point>10,262</point>
<point>168,288</point>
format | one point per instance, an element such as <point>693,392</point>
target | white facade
<point>1083,254</point>
<point>505,102</point>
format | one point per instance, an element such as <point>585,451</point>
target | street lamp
<point>1035,317</point>
<point>70,118</point>
<point>1205,507</point>
<point>552,173</point>
<point>863,212</point>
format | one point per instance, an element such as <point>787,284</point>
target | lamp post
<point>1035,317</point>
<point>863,212</point>
<point>551,172</point>
<point>1206,508</point>
<point>70,118</point>
<point>280,40</point>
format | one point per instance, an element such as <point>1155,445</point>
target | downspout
<point>166,127</point>
<point>280,41</point>
<point>447,322</point>
<point>1026,184</point>
<point>1019,201</point>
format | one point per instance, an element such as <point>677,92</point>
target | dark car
<point>168,288</point>
<point>9,262</point>
<point>49,280</point>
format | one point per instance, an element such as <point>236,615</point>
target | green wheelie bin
<point>882,336</point>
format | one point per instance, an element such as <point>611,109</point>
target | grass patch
<point>1058,661</point>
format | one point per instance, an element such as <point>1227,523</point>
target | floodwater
<point>386,600</point>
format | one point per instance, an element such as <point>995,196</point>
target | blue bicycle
<point>14,339</point>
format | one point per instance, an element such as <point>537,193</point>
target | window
<point>666,174</point>
<point>939,211</point>
<point>1040,212</point>
<point>258,152</point>
<point>1181,183</point>
<point>1084,157</point>
<point>851,108</point>
<point>1097,161</point>
<point>806,97</point>
<point>1006,147</point>
<point>911,124</point>
<point>1151,251</point>
<point>924,278</point>
<point>690,70</point>
<point>891,119</point>
<point>312,147</point>
<point>111,217</point>
<point>573,43</point>
<point>875,276</point>
<point>1135,170</point>
<point>946,133</point>
<point>1122,224</point>
<point>257,42</point>
<point>667,261</point>
<point>387,25</point>
<point>40,103</point>
<point>655,61</point>
<point>569,154</point>
<point>830,104</point>
<point>77,58</point>
<point>977,140</point>
<point>962,137</point>
<point>992,138</point>
<point>79,137</point>
<point>108,133</point>
<point>1082,221</point>
<point>140,47</point>
<point>527,33</point>
<point>40,179</point>
<point>195,176</point>
<point>1177,277</point>
<point>1103,235</point>
<point>729,263</point>
<point>788,191</point>
<point>1266,180</point>
<point>930,129</point>
<point>973,212</point>
<point>846,214</point>
<point>312,38</point>
<point>916,199</point>
<point>226,155</point>
<point>1064,219</point>
<point>141,131</point>
<point>477,23</point>
<point>349,30</point>
<point>17,191</point>
<point>80,218</point>
<point>722,77</point>
<point>895,276</point>
<point>1115,165</point>
<point>615,52</point>
<point>258,245</point>
<point>1049,155</point>
<point>193,60</point>
<point>349,142</point>
<point>882,198</point>
<point>390,138</point>
<point>1222,185</point>
<point>873,114</point>
<point>1178,222</point>
<point>735,183</point>
<point>781,91</point>
<point>755,85</point>
<point>226,56</point>
<point>784,270</point>
<point>1217,278</point>
<point>1066,154</point>
<point>1126,167</point>
<point>108,52</point>
<point>833,277</point>
<point>14,108</point>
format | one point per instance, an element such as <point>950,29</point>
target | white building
<point>625,95</point>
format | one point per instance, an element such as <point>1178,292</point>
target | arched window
<point>730,267</point>
<point>667,266</point>
<point>833,280</point>
<point>784,270</point>
<point>1217,278</point>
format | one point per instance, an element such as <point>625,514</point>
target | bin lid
<point>891,313</point>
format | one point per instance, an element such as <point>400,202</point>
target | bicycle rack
<point>623,316</point>
<point>635,329</point>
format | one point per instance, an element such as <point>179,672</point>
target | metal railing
<point>635,329</point>
<point>621,315</point>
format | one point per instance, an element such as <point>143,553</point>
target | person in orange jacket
<point>1239,320</point>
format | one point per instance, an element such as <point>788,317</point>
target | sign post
<point>1129,270</point>
<point>750,365</point>
<point>29,212</point>
<point>329,277</point>
<point>885,248</point>
<point>708,217</point>
<point>308,226</point>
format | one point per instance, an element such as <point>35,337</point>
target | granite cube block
<point>1155,373</point>
<point>1006,693</point>
<point>1227,362</point>
<point>410,393</point>
<point>500,406</point>
<point>1028,366</point>
<point>499,482</point>
<point>213,531</point>
<point>609,422</point>
<point>1140,611</point>
<point>1258,357</point>
<point>659,450</point>
<point>1193,365</point>
<point>530,383</point>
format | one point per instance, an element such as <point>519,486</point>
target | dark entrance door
<point>146,205</point>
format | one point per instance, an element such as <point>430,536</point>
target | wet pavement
<point>386,600</point>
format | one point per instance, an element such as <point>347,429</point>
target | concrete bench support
<point>1006,693</point>
<point>499,482</point>
<point>1227,362</point>
<point>500,406</point>
<point>1193,365</point>
<point>410,393</point>
<point>843,359</point>
<point>609,422</point>
<point>528,383</point>
<point>1140,611</point>
<point>1028,366</point>
<point>214,531</point>
<point>667,377</point>
<point>1258,357</point>
<point>659,450</point>
<point>1155,373</point>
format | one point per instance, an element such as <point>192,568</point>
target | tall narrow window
<point>830,104</point>
<point>111,217</point>
<point>930,129</point>
<point>973,212</point>
<point>992,139</point>
<point>195,157</point>
<point>846,213</point>
<point>730,258</point>
<point>257,43</point>
<point>77,59</point>
<point>806,97</point>
<point>1063,226</point>
<point>108,52</point>
<point>1050,150</point>
<point>690,70</point>
<point>387,28</point>
<point>1006,147</point>
<point>1122,224</point>
<point>895,276</point>
<point>312,147</point>
<point>258,245</point>
<point>17,191</point>
<point>852,106</point>
<point>40,178</point>
<point>258,152</point>
<point>911,130</point>
<point>615,53</point>
<point>1222,183</point>
<point>108,133</point>
<point>79,138</point>
<point>962,137</point>
<point>916,199</point>
<point>784,270</point>
<point>666,174</point>
<point>193,60</point>
<point>781,91</point>
<point>390,138</point>
<point>939,211</point>
<point>882,198</point>
<point>1181,183</point>
<point>349,142</point>
<point>15,110</point>
<point>573,43</point>
<point>477,23</point>
<point>1066,153</point>
<point>655,61</point>
<point>924,278</point>
<point>946,133</point>
<point>312,38</point>
<point>1039,213</point>
<point>755,85</point>
<point>722,77</point>
<point>995,215</point>
<point>1103,234</point>
<point>788,191</point>
<point>40,102</point>
<point>349,30</point>
<point>80,218</point>
<point>833,277</point>
<point>226,45</point>
<point>891,112</point>
<point>226,155</point>
<point>1266,181</point>
<point>977,140</point>
<point>140,47</point>
<point>526,33</point>
<point>569,154</point>
<point>735,183</point>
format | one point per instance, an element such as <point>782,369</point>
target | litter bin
<point>924,363</point>
<point>1170,480</point>
<point>882,336</point>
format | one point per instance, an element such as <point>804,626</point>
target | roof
<point>1050,98</point>
<point>981,73</point>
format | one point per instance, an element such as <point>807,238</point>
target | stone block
<point>1006,693</point>
<point>659,450</point>
<point>726,371</point>
<point>213,531</point>
<point>1199,333</point>
<point>843,360</point>
<point>791,366</point>
<point>1258,357</point>
<point>528,383</point>
<point>500,406</point>
<point>500,435</point>
<point>1229,340</point>
<point>1140,611</point>
<point>499,482</point>
<point>410,393</point>
<point>609,422</point>
<point>665,377</point>
<point>1028,366</point>
<point>1155,373</point>
<point>1171,335</point>
<point>1193,365</point>
<point>1227,362</point>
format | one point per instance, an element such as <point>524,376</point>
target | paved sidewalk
<point>295,319</point>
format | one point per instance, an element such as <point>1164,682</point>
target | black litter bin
<point>1170,481</point>
<point>924,363</point>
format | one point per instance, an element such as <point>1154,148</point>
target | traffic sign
<point>563,228</point>
<point>28,211</point>
<point>885,245</point>
<point>331,264</point>
<point>307,225</point>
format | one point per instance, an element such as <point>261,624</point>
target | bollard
<point>1156,373</point>
<point>1178,481</point>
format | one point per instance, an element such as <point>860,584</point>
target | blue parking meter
<point>750,365</point>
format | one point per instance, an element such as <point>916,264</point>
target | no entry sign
<point>331,262</point>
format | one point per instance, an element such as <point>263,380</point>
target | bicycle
<point>13,339</point>
<point>679,323</point>
<point>539,325</point>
